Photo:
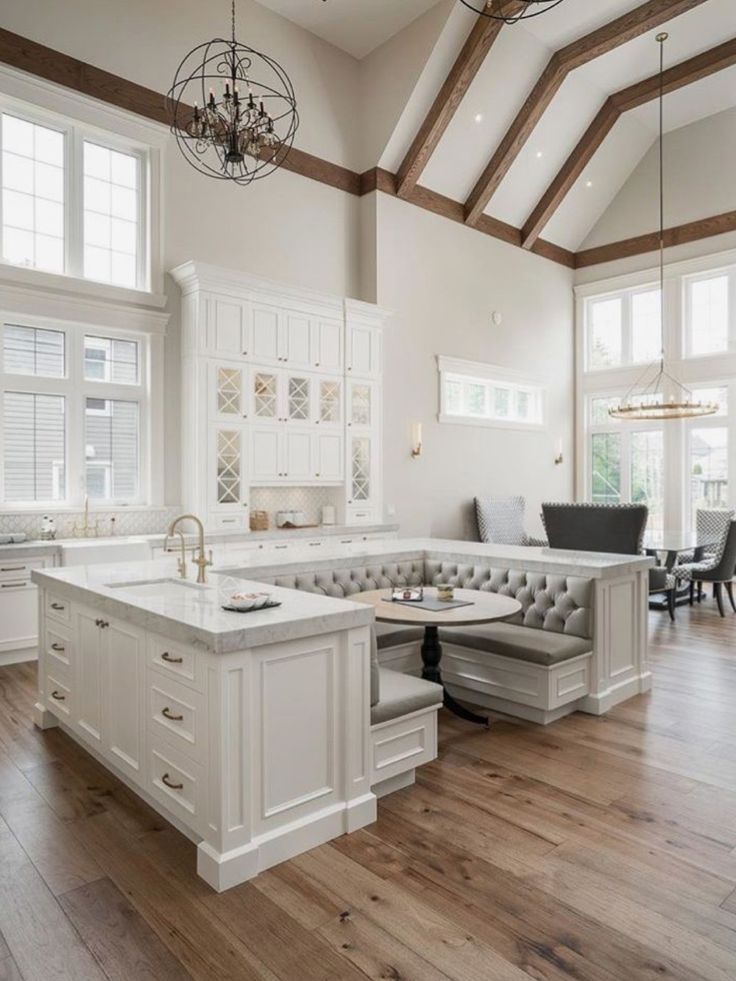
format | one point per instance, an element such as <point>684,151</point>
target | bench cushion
<point>536,646</point>
<point>394,634</point>
<point>402,694</point>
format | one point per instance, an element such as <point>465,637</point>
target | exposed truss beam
<point>467,65</point>
<point>585,49</point>
<point>685,73</point>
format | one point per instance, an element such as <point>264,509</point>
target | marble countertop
<point>233,539</point>
<point>588,565</point>
<point>193,614</point>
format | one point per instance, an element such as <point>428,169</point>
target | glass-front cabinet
<point>363,435</point>
<point>228,392</point>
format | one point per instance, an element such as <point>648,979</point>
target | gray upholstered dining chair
<point>501,521</point>
<point>607,528</point>
<point>710,523</point>
<point>596,527</point>
<point>718,569</point>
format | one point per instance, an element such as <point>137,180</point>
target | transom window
<point>73,202</point>
<point>709,320</point>
<point>73,413</point>
<point>482,394</point>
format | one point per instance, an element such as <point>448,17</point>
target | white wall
<point>700,163</point>
<point>443,283</point>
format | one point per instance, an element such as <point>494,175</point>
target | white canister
<point>328,515</point>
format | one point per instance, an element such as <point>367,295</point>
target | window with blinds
<point>111,449</point>
<point>52,380</point>
<point>34,447</point>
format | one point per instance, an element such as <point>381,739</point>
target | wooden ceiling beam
<point>692,231</point>
<point>686,73</point>
<point>467,65</point>
<point>585,49</point>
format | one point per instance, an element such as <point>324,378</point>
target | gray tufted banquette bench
<point>535,666</point>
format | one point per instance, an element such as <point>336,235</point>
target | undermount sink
<point>156,588</point>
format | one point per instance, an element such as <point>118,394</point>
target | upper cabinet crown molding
<point>366,314</point>
<point>193,276</point>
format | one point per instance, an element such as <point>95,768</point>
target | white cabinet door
<point>298,455</point>
<point>364,352</point>
<point>265,456</point>
<point>88,684</point>
<point>227,482</point>
<point>228,327</point>
<point>265,348</point>
<point>295,340</point>
<point>266,395</point>
<point>328,462</point>
<point>123,657</point>
<point>327,345</point>
<point>328,399</point>
<point>298,397</point>
<point>228,392</point>
<point>361,404</point>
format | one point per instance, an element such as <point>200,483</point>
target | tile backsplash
<point>310,500</point>
<point>128,521</point>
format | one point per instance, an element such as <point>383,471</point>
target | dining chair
<point>717,569</point>
<point>710,523</point>
<point>661,580</point>
<point>501,521</point>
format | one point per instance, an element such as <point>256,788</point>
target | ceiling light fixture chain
<point>508,11</point>
<point>233,110</point>
<point>650,401</point>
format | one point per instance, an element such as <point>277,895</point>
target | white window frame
<point>54,105</point>
<point>699,371</point>
<point>76,390</point>
<point>687,281</point>
<point>455,369</point>
<point>626,296</point>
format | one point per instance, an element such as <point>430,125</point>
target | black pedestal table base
<point>431,657</point>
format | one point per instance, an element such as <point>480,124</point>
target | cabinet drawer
<point>177,713</point>
<point>230,522</point>
<point>58,609</point>
<point>360,516</point>
<point>177,781</point>
<point>176,661</point>
<point>57,686</point>
<point>15,569</point>
<point>58,646</point>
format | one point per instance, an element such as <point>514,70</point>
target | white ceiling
<point>356,26</point>
<point>508,75</point>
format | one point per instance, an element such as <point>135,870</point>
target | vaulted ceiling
<point>534,128</point>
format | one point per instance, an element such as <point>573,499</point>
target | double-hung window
<point>74,201</point>
<point>73,416</point>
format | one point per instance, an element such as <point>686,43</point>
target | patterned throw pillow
<point>501,520</point>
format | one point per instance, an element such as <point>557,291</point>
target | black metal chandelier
<point>509,12</point>
<point>232,110</point>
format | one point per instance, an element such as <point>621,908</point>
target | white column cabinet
<point>281,387</point>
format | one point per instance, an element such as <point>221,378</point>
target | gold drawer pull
<point>13,568</point>
<point>166,780</point>
<point>58,606</point>
<point>57,647</point>
<point>171,660</point>
<point>167,714</point>
<point>13,585</point>
<point>59,698</point>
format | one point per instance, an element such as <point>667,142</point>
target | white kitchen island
<point>249,732</point>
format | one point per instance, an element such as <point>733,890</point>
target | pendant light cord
<point>661,38</point>
<point>233,20</point>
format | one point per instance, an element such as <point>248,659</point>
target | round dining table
<point>482,607</point>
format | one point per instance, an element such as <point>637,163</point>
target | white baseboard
<point>18,657</point>
<point>395,783</point>
<point>542,717</point>
<point>604,701</point>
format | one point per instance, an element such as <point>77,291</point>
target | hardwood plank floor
<point>596,849</point>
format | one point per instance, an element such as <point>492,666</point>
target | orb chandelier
<point>497,9</point>
<point>662,397</point>
<point>232,110</point>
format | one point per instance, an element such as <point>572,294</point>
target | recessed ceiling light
<point>589,183</point>
<point>540,154</point>
<point>478,117</point>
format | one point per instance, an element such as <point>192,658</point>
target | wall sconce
<point>559,458</point>
<point>416,440</point>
